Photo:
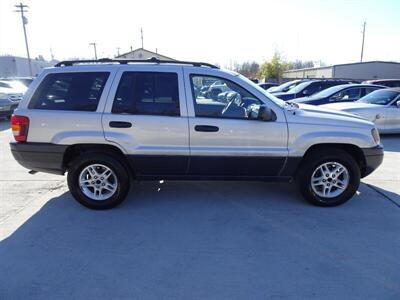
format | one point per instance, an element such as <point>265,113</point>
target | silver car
<point>381,107</point>
<point>109,122</point>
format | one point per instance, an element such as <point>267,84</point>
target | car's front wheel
<point>98,181</point>
<point>329,177</point>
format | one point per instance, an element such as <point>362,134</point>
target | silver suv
<point>107,122</point>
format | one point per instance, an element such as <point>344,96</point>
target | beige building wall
<point>323,72</point>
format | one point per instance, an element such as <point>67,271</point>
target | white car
<point>9,98</point>
<point>381,107</point>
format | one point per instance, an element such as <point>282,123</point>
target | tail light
<point>20,126</point>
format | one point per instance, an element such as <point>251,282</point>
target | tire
<point>332,162</point>
<point>110,188</point>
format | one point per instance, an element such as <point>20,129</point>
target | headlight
<point>375,135</point>
<point>4,96</point>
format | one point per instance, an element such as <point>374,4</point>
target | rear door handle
<point>120,124</point>
<point>206,128</point>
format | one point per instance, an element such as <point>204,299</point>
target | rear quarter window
<point>78,91</point>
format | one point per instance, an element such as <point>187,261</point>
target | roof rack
<point>126,61</point>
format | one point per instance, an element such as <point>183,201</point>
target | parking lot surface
<point>198,240</point>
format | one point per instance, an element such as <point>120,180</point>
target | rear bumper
<point>373,159</point>
<point>41,157</point>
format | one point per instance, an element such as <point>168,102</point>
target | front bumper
<point>373,159</point>
<point>41,157</point>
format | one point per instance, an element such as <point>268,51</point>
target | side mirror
<point>266,114</point>
<point>398,103</point>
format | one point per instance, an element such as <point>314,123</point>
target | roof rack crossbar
<point>67,63</point>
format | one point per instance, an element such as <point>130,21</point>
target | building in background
<point>14,66</point>
<point>356,71</point>
<point>142,53</point>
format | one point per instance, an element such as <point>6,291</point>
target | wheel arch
<point>351,149</point>
<point>74,151</point>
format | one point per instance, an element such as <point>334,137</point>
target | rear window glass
<point>79,91</point>
<point>147,93</point>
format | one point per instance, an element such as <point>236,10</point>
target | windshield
<point>300,87</point>
<point>380,97</point>
<point>17,85</point>
<point>283,87</point>
<point>329,91</point>
<point>260,89</point>
<point>4,84</point>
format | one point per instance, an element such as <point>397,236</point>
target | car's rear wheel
<point>328,177</point>
<point>98,180</point>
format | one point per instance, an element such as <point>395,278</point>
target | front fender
<point>300,142</point>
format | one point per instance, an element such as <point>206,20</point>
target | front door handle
<point>120,124</point>
<point>206,128</point>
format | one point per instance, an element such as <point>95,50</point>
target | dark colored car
<point>309,88</point>
<point>385,82</point>
<point>267,85</point>
<point>340,93</point>
<point>284,87</point>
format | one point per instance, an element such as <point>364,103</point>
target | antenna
<point>141,33</point>
<point>363,38</point>
<point>51,54</point>
<point>95,50</point>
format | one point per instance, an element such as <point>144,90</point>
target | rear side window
<point>70,91</point>
<point>392,83</point>
<point>147,93</point>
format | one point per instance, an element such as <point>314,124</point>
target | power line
<point>21,8</point>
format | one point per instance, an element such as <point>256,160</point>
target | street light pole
<point>21,9</point>
<point>95,50</point>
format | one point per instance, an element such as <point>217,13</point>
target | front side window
<point>147,93</point>
<point>80,91</point>
<point>313,88</point>
<point>368,90</point>
<point>222,98</point>
<point>348,94</point>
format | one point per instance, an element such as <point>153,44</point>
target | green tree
<point>248,69</point>
<point>274,68</point>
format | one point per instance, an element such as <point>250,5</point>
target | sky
<point>212,31</point>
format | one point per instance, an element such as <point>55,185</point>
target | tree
<point>40,58</point>
<point>248,69</point>
<point>274,68</point>
<point>300,64</point>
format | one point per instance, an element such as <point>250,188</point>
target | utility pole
<point>141,33</point>
<point>22,9</point>
<point>363,38</point>
<point>118,48</point>
<point>95,50</point>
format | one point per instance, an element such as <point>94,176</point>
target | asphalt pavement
<point>198,240</point>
